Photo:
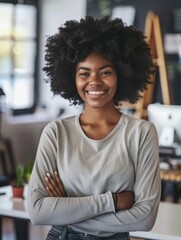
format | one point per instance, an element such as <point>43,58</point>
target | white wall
<point>24,133</point>
<point>54,14</point>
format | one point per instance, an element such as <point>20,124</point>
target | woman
<point>96,175</point>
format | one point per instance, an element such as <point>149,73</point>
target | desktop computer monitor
<point>167,120</point>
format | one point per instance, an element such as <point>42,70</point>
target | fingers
<point>50,193</point>
<point>51,185</point>
<point>60,184</point>
<point>55,186</point>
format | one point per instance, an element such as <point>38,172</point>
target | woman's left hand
<point>54,185</point>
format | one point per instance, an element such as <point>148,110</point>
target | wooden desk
<point>167,225</point>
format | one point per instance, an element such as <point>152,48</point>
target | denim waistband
<point>67,233</point>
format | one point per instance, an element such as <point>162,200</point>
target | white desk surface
<point>13,207</point>
<point>167,225</point>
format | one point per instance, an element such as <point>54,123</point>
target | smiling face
<point>96,81</point>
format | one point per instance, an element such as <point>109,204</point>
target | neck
<point>97,123</point>
<point>100,115</point>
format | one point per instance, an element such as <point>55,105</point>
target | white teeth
<point>96,92</point>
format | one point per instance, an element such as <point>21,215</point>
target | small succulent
<point>20,175</point>
<point>28,170</point>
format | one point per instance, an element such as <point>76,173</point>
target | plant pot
<point>18,192</point>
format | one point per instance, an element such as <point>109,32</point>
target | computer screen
<point>167,120</point>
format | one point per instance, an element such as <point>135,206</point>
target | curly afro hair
<point>123,45</point>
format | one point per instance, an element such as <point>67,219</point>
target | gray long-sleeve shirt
<point>127,159</point>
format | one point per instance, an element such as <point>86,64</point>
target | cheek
<point>80,86</point>
<point>77,82</point>
<point>114,85</point>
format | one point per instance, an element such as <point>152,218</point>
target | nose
<point>95,80</point>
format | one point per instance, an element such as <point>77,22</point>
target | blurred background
<point>26,102</point>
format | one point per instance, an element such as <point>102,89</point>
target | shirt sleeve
<point>147,188</point>
<point>59,210</point>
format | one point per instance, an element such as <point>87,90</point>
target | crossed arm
<point>55,188</point>
<point>127,213</point>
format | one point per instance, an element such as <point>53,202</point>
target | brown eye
<point>84,74</point>
<point>106,73</point>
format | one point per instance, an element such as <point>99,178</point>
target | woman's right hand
<point>54,185</point>
<point>123,200</point>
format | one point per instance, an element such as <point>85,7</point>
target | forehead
<point>94,60</point>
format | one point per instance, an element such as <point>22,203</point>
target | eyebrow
<point>85,68</point>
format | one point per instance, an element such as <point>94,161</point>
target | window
<point>18,54</point>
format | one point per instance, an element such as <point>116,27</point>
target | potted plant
<point>18,186</point>
<point>28,170</point>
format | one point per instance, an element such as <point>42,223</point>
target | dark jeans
<point>58,232</point>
